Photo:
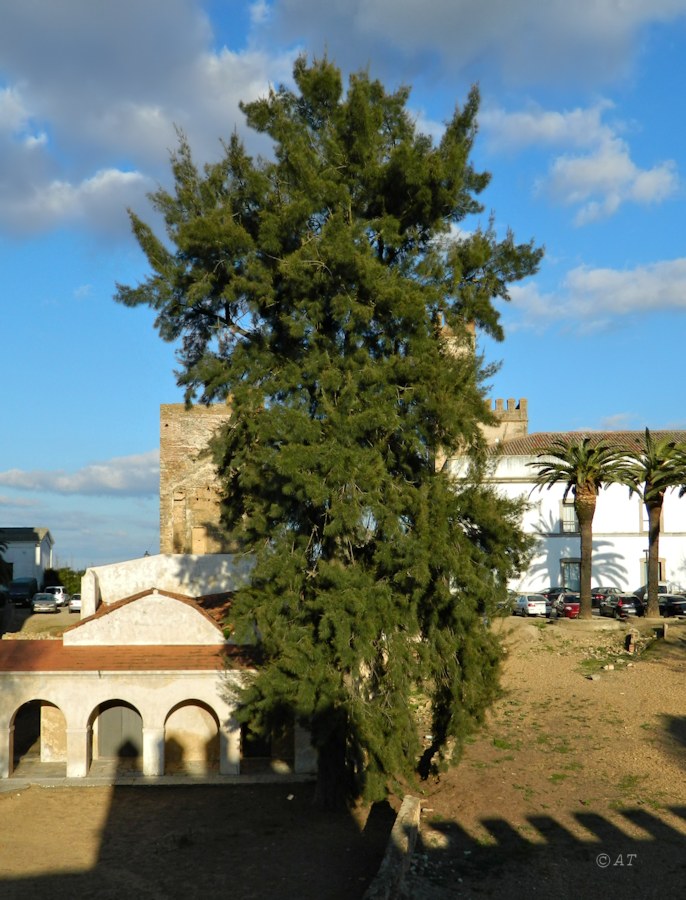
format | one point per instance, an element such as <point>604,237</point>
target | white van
<point>60,592</point>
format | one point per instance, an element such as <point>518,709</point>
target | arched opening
<point>273,752</point>
<point>116,738</point>
<point>39,740</point>
<point>191,740</point>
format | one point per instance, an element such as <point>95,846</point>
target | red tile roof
<point>533,444</point>
<point>53,656</point>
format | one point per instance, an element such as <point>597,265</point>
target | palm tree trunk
<point>584,503</point>
<point>654,513</point>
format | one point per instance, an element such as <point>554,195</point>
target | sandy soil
<point>574,789</point>
<point>576,786</point>
<point>254,842</point>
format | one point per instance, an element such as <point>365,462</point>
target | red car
<point>567,606</point>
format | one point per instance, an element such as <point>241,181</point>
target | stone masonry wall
<point>189,490</point>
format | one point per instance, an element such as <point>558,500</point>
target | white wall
<point>620,536</point>
<point>194,576</point>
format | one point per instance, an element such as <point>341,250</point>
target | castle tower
<point>189,487</point>
<point>513,421</point>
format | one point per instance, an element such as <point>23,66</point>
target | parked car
<point>672,605</point>
<point>44,603</point>
<point>75,603</point>
<point>663,587</point>
<point>552,592</point>
<point>598,594</point>
<point>59,592</point>
<point>621,606</point>
<point>566,606</point>
<point>529,605</point>
<point>22,591</point>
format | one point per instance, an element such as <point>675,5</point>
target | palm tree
<point>653,467</point>
<point>584,466</point>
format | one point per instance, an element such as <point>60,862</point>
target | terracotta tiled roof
<point>532,444</point>
<point>53,656</point>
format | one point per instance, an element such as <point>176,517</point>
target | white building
<point>620,525</point>
<point>28,550</point>
<point>146,676</point>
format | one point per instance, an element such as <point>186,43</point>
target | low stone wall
<point>396,861</point>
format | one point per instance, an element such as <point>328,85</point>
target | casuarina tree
<point>330,292</point>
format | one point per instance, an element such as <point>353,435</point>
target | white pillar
<point>78,752</point>
<point>7,752</point>
<point>153,752</point>
<point>230,748</point>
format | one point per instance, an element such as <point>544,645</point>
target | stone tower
<point>513,421</point>
<point>189,489</point>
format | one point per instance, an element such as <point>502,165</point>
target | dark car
<point>551,594</point>
<point>598,594</point>
<point>621,606</point>
<point>672,605</point>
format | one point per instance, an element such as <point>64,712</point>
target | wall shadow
<point>600,856</point>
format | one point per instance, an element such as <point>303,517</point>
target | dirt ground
<point>574,789</point>
<point>253,842</point>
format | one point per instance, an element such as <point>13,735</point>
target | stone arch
<point>191,738</point>
<point>273,752</point>
<point>116,736</point>
<point>39,736</point>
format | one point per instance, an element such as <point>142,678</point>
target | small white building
<point>146,676</point>
<point>28,550</point>
<point>620,525</point>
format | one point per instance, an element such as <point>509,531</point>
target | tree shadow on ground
<point>250,842</point>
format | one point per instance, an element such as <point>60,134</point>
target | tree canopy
<point>330,293</point>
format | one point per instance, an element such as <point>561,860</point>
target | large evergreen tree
<point>329,294</point>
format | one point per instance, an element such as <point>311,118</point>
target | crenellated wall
<point>513,420</point>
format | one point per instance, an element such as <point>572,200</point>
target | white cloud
<point>600,182</point>
<point>540,127</point>
<point>124,476</point>
<point>527,40</point>
<point>600,178</point>
<point>593,299</point>
<point>90,97</point>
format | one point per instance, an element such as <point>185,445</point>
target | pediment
<point>152,618</point>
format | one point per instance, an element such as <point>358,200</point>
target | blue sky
<point>581,126</point>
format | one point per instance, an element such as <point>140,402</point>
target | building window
<point>569,524</point>
<point>571,574</point>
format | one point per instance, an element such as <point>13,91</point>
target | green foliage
<point>69,578</point>
<point>328,294</point>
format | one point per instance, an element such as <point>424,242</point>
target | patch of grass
<point>557,777</point>
<point>504,744</point>
<point>629,783</point>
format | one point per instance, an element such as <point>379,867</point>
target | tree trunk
<point>654,510</point>
<point>584,503</point>
<point>332,791</point>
